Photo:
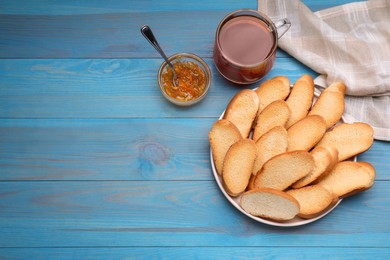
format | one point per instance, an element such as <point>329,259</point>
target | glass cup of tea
<point>245,45</point>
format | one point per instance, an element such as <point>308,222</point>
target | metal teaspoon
<point>148,34</point>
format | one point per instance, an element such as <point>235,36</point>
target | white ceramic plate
<point>235,201</point>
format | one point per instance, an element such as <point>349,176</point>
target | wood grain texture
<point>205,253</point>
<point>131,6</point>
<point>137,149</point>
<point>108,88</point>
<point>119,149</point>
<point>102,30</point>
<point>166,213</point>
<point>95,164</point>
<point>112,35</point>
<point>123,6</point>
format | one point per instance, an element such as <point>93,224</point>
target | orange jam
<point>191,81</point>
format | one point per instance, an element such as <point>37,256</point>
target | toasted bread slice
<point>347,178</point>
<point>300,99</point>
<point>242,110</point>
<point>330,104</point>
<point>221,136</point>
<point>284,80</point>
<point>269,203</point>
<point>282,170</point>
<point>238,165</point>
<point>325,158</point>
<point>370,170</point>
<point>306,133</point>
<point>277,88</point>
<point>349,139</point>
<point>275,114</point>
<point>270,144</point>
<point>251,183</point>
<point>337,87</point>
<point>313,200</point>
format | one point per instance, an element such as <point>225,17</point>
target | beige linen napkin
<point>350,43</point>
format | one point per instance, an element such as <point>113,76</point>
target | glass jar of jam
<point>193,79</point>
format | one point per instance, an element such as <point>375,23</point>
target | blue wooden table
<point>96,164</point>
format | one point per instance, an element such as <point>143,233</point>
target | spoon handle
<point>148,34</point>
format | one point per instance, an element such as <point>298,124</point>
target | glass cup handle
<point>285,24</point>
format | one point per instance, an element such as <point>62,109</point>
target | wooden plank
<point>166,213</point>
<point>123,6</point>
<point>156,149</point>
<point>111,149</point>
<point>130,6</point>
<point>212,253</point>
<point>107,35</point>
<point>100,30</point>
<point>107,88</point>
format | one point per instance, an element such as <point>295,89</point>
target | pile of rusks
<point>288,154</point>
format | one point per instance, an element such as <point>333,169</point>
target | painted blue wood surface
<point>95,164</point>
<point>119,149</point>
<point>204,253</point>
<point>100,30</point>
<point>70,7</point>
<point>171,213</point>
<point>107,88</point>
<point>135,6</point>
